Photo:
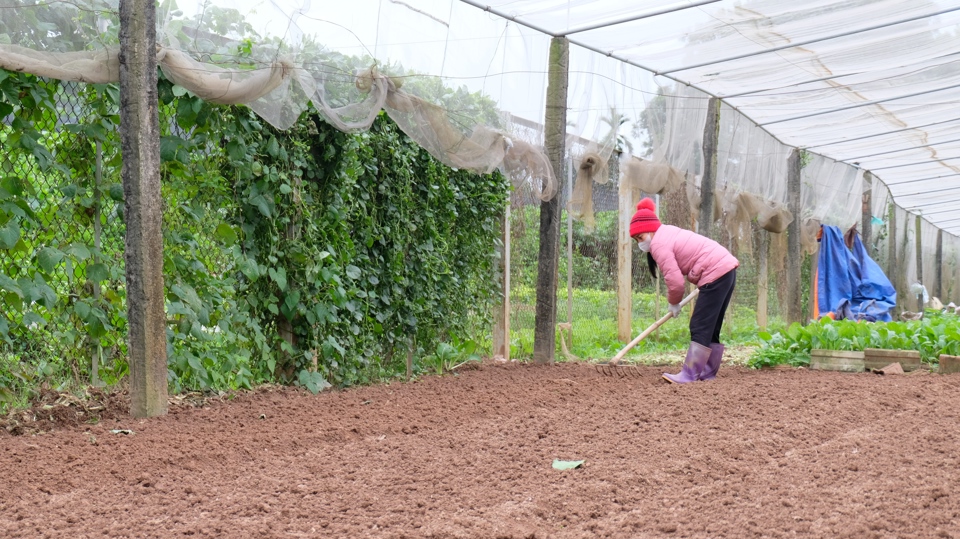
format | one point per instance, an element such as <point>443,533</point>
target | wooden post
<point>938,268</point>
<point>794,300</point>
<point>140,147</point>
<point>501,327</point>
<point>656,300</point>
<point>413,344</point>
<point>711,136</point>
<point>96,349</point>
<point>866,222</point>
<point>919,240</point>
<point>892,243</point>
<point>625,265</point>
<point>570,250</point>
<point>555,125</point>
<point>813,312</point>
<point>762,280</point>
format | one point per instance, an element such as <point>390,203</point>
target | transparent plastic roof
<point>863,84</point>
<point>870,83</point>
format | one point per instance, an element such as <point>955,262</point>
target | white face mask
<point>644,245</point>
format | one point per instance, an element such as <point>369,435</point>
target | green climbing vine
<point>305,256</point>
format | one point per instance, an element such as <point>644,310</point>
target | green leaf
<point>194,363</point>
<point>567,464</point>
<point>13,185</point>
<point>98,272</point>
<point>46,295</point>
<point>78,251</point>
<point>9,235</point>
<point>353,272</point>
<point>49,258</point>
<point>249,268</point>
<point>279,276</point>
<point>115,191</point>
<point>170,147</point>
<point>236,150</point>
<point>179,91</point>
<point>263,205</point>
<point>82,309</point>
<point>226,233</point>
<point>10,285</point>
<point>313,381</point>
<point>273,147</point>
<point>31,318</point>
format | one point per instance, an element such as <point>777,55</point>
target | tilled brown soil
<point>773,453</point>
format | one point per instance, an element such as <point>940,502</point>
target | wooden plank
<point>877,358</point>
<point>949,364</point>
<point>836,360</point>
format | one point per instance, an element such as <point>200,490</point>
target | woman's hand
<point>675,309</point>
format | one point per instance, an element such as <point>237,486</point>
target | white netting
<point>273,56</point>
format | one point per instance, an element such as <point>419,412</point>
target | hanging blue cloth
<point>849,283</point>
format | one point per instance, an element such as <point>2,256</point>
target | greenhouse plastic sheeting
<point>870,83</point>
<point>858,84</point>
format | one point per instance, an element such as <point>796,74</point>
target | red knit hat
<point>645,220</point>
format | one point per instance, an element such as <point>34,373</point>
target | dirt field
<point>774,453</point>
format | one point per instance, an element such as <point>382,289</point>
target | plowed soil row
<point>772,453</point>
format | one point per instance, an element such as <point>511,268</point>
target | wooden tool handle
<point>616,359</point>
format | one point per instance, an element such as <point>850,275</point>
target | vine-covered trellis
<point>307,255</point>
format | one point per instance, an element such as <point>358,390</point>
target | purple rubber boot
<point>696,361</point>
<point>713,364</point>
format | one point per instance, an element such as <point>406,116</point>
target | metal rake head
<point>617,370</point>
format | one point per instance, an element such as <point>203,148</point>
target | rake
<point>613,367</point>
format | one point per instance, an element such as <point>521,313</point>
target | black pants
<point>711,305</point>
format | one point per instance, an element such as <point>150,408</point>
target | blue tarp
<point>849,283</point>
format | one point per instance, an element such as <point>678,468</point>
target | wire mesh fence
<point>61,195</point>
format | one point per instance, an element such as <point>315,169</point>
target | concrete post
<point>140,147</point>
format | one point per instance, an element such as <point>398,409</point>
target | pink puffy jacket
<point>680,253</point>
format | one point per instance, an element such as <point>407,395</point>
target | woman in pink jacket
<point>705,263</point>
